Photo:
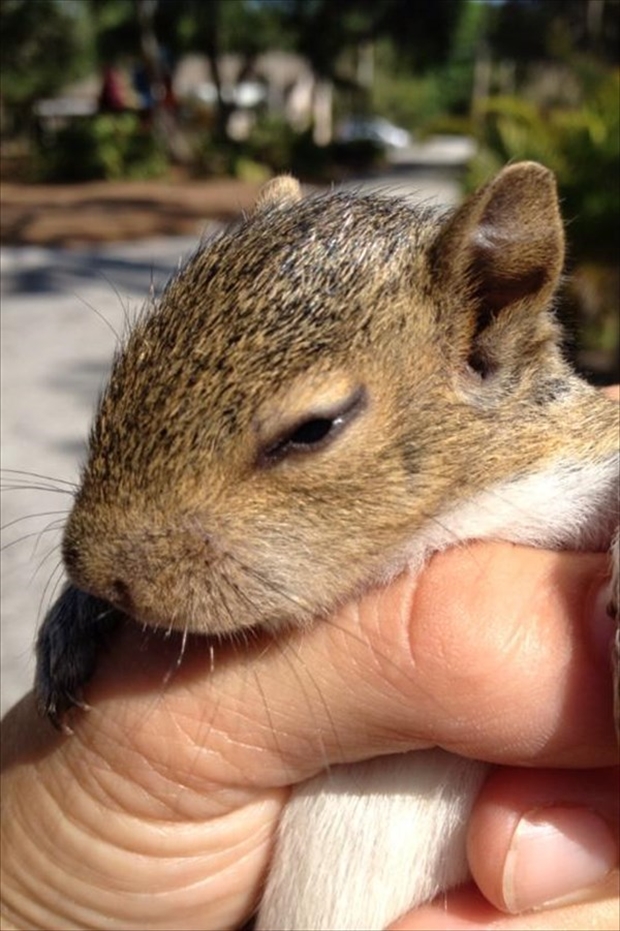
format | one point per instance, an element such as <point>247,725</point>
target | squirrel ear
<point>506,242</point>
<point>284,189</point>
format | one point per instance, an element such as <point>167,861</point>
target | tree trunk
<point>165,123</point>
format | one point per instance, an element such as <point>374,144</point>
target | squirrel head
<point>312,388</point>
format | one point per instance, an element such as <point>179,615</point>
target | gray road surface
<point>59,311</point>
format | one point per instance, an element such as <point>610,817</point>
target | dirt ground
<point>106,211</point>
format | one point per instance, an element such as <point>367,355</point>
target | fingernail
<point>556,854</point>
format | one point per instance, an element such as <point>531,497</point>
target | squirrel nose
<point>112,588</point>
<point>141,568</point>
<point>120,596</point>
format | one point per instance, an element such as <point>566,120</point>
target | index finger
<point>489,653</point>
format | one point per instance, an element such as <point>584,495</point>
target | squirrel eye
<point>313,433</point>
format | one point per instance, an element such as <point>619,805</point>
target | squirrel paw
<point>67,647</point>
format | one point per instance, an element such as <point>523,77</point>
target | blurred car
<point>373,129</point>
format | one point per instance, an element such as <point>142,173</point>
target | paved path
<point>59,314</point>
<point>60,310</point>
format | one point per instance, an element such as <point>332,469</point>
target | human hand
<point>160,810</point>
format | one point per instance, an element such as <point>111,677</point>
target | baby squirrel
<point>331,390</point>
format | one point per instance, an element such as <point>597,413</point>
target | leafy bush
<point>275,144</point>
<point>103,147</point>
<point>268,150</point>
<point>582,147</point>
<point>272,142</point>
<point>274,147</point>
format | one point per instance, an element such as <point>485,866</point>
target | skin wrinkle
<point>32,845</point>
<point>157,840</point>
<point>306,737</point>
<point>33,879</point>
<point>157,787</point>
<point>142,776</point>
<point>309,685</point>
<point>207,733</point>
<point>358,694</point>
<point>212,740</point>
<point>278,730</point>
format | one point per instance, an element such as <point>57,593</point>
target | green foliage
<point>102,147</point>
<point>414,99</point>
<point>420,31</point>
<point>115,27</point>
<point>456,77</point>
<point>272,142</point>
<point>581,145</point>
<point>215,157</point>
<point>242,26</point>
<point>44,45</point>
<point>273,147</point>
<point>408,100</point>
<point>526,31</point>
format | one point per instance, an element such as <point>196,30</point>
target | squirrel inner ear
<point>506,243</point>
<point>284,189</point>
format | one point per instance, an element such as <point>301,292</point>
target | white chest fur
<point>567,506</point>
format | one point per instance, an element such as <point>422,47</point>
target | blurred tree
<point>159,80</point>
<point>126,31</point>
<point>115,28</point>
<point>421,31</point>
<point>339,43</point>
<point>533,30</point>
<point>218,27</point>
<point>465,76</point>
<point>44,46</point>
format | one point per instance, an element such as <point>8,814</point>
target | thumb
<point>544,837</point>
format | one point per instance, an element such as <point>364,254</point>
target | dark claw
<point>68,643</point>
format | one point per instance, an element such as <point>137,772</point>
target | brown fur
<point>443,322</point>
